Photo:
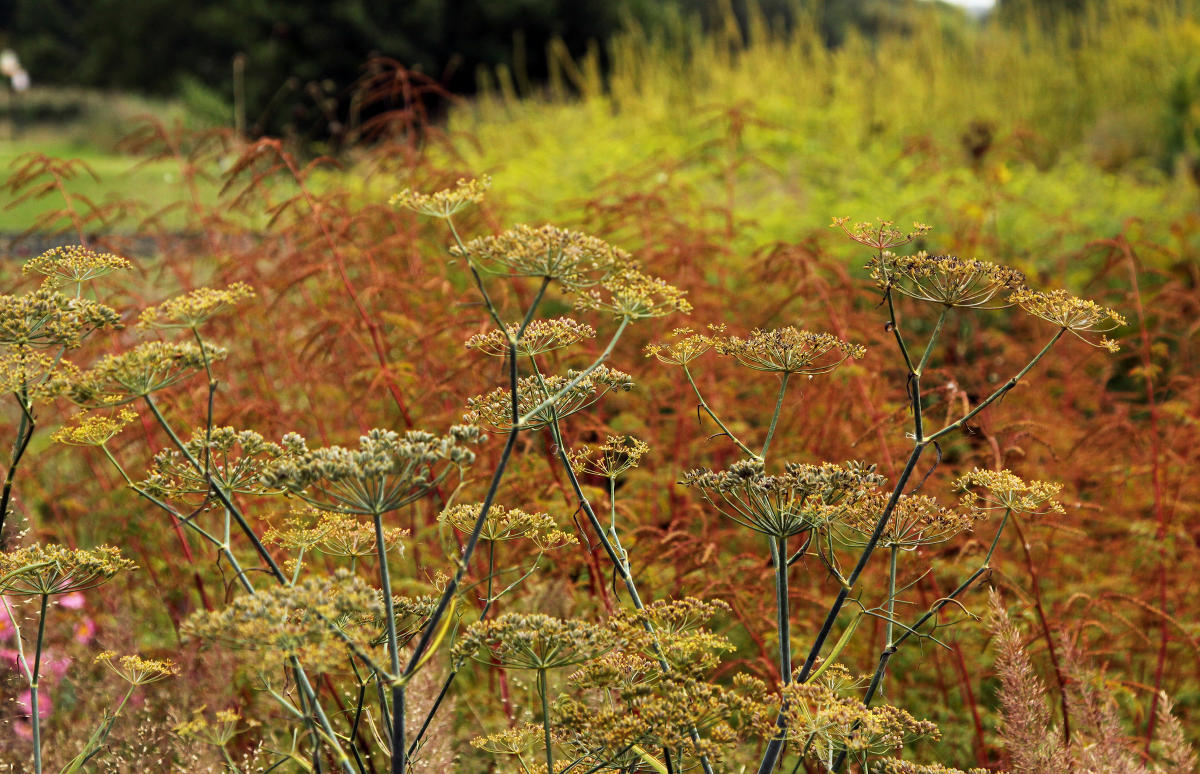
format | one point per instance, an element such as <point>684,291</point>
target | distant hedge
<point>302,57</point>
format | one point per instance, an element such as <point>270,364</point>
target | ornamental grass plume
<point>946,279</point>
<point>49,569</point>
<point>139,372</point>
<point>45,318</point>
<point>235,460</point>
<point>574,259</point>
<point>539,337</point>
<point>75,263</point>
<point>385,473</point>
<point>802,498</point>
<point>494,409</point>
<point>789,350</point>
<point>194,308</point>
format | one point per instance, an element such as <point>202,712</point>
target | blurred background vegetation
<point>715,138</point>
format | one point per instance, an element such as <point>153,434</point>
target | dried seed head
<point>1077,315</point>
<point>946,279</point>
<point>136,670</point>
<point>75,263</point>
<point>539,337</point>
<point>574,259</point>
<point>510,741</point>
<point>494,409</point>
<point>534,641</point>
<point>385,473</point>
<point>618,454</point>
<point>194,308</point>
<point>147,368</point>
<point>916,520</point>
<point>802,498</point>
<point>445,203</point>
<point>507,524</point>
<point>317,619</point>
<point>93,429</point>
<point>46,318</point>
<point>881,235</point>
<point>36,375</point>
<point>684,345</point>
<point>789,351</point>
<point>995,489</point>
<point>53,569</point>
<point>235,459</point>
<point>633,295</point>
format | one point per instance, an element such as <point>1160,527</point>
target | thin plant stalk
<point>34,707</point>
<point>541,689</point>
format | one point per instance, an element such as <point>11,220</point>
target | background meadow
<point>1066,145</point>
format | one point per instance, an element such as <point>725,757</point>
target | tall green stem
<point>783,610</point>
<point>775,417</point>
<point>34,715</point>
<point>541,689</point>
<point>24,434</point>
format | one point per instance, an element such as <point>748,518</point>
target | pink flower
<point>72,601</point>
<point>85,631</point>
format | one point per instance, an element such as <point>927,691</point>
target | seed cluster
<point>683,345</point>
<point>1077,315</point>
<point>386,472</point>
<point>317,619</point>
<point>94,429</point>
<point>194,308</point>
<point>539,337</point>
<point>74,263</point>
<point>632,295</point>
<point>534,641</point>
<point>946,279</point>
<point>445,203</point>
<point>802,498</point>
<point>136,670</point>
<point>55,569</point>
<point>615,456</point>
<point>994,489</point>
<point>504,523</point>
<point>789,350</point>
<point>235,459</point>
<point>45,318</point>
<point>494,409</point>
<point>915,520</point>
<point>575,259</point>
<point>882,234</point>
<point>147,368</point>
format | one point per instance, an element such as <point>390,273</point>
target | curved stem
<point>708,410</point>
